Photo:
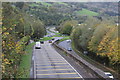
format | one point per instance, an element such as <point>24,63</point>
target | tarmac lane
<point>48,63</point>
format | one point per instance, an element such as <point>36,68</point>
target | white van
<point>68,41</point>
<point>37,45</point>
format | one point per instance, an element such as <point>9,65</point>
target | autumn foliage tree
<point>100,38</point>
<point>17,29</point>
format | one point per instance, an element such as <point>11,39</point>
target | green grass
<point>25,64</point>
<point>57,36</point>
<point>46,4</point>
<point>46,38</point>
<point>57,33</point>
<point>85,12</point>
<point>34,5</point>
<point>62,3</point>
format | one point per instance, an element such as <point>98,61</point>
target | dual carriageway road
<point>48,63</point>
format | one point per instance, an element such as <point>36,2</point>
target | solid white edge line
<point>72,67</point>
<point>32,58</point>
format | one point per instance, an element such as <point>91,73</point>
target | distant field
<point>33,5</point>
<point>62,3</point>
<point>43,3</point>
<point>46,4</point>
<point>85,12</point>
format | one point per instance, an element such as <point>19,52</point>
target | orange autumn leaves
<point>109,46</point>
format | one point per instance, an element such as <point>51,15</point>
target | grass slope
<point>25,64</point>
<point>85,12</point>
<point>46,4</point>
<point>33,4</point>
<point>46,38</point>
<point>62,3</point>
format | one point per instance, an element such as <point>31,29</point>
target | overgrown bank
<point>25,63</point>
<point>18,27</point>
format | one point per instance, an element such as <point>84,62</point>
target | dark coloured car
<point>50,41</point>
<point>42,42</point>
<point>53,38</point>
<point>49,35</point>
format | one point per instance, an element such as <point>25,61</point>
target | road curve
<point>48,63</point>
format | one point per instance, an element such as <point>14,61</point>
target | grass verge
<point>46,38</point>
<point>65,38</point>
<point>25,64</point>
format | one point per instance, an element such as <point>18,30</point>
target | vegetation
<point>100,39</point>
<point>46,4</point>
<point>46,38</point>
<point>17,29</point>
<point>86,12</point>
<point>25,63</point>
<point>62,3</point>
<point>66,27</point>
<point>52,13</point>
<point>39,30</point>
<point>24,21</point>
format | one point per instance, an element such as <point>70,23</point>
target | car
<point>58,40</point>
<point>50,41</point>
<point>109,75</point>
<point>53,38</point>
<point>37,45</point>
<point>68,41</point>
<point>49,35</point>
<point>41,38</point>
<point>69,49</point>
<point>42,42</point>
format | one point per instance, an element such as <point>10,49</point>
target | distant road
<point>66,45</point>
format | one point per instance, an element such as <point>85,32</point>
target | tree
<point>39,29</point>
<point>67,26</point>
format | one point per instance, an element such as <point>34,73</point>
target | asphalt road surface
<point>50,64</point>
<point>66,45</point>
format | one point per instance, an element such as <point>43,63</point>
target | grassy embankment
<point>85,12</point>
<point>46,38</point>
<point>46,4</point>
<point>25,63</point>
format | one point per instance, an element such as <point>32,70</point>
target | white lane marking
<point>72,67</point>
<point>50,64</point>
<point>53,66</point>
<point>55,70</point>
<point>33,58</point>
<point>57,74</point>
<point>31,69</point>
